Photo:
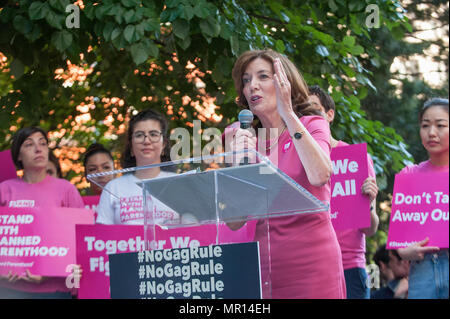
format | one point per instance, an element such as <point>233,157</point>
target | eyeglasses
<point>153,136</point>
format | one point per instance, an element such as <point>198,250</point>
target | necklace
<point>278,138</point>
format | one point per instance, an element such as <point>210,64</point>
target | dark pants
<point>356,283</point>
<point>6,293</point>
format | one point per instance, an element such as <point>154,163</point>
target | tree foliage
<point>405,91</point>
<point>176,56</point>
<point>141,49</point>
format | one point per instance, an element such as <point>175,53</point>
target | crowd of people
<point>310,259</point>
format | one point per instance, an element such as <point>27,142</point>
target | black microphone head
<point>245,117</point>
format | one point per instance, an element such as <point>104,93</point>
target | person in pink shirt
<point>36,188</point>
<point>429,269</point>
<point>305,260</point>
<point>351,241</point>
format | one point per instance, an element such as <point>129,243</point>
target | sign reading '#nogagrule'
<point>205,272</point>
<point>95,243</point>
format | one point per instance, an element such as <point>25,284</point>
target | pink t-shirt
<point>50,192</point>
<point>306,260</point>
<point>353,241</point>
<point>424,167</point>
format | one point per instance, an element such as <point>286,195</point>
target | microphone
<point>245,117</point>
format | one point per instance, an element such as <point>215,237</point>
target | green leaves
<point>210,28</point>
<point>326,40</point>
<point>279,45</point>
<point>349,41</point>
<point>61,40</point>
<point>139,53</point>
<point>38,10</point>
<point>234,42</point>
<point>357,50</point>
<point>133,45</point>
<point>22,24</point>
<point>181,28</point>
<point>130,3</point>
<point>129,33</point>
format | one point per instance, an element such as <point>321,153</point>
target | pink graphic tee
<point>50,192</point>
<point>121,203</point>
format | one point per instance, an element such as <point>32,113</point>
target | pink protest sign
<point>96,242</point>
<point>7,169</point>
<point>419,210</point>
<point>349,207</point>
<point>39,239</point>
<point>91,202</point>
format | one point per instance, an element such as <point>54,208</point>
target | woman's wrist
<point>293,124</point>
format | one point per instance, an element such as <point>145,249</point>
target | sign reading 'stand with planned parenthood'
<point>209,272</point>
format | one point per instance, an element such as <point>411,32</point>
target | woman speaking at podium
<point>305,255</point>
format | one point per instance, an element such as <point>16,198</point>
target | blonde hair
<point>299,88</point>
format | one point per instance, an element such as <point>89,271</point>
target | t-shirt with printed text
<point>122,202</point>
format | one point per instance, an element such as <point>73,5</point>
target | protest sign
<point>419,210</point>
<point>349,208</point>
<point>96,242</point>
<point>41,240</point>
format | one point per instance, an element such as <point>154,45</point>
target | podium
<point>215,190</point>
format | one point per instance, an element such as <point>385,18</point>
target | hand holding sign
<point>370,188</point>
<point>419,210</point>
<point>10,277</point>
<point>417,251</point>
<point>29,277</point>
